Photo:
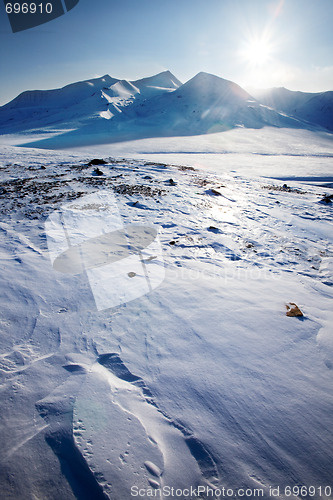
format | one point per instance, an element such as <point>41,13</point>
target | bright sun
<point>257,52</point>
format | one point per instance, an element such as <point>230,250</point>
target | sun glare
<point>257,52</point>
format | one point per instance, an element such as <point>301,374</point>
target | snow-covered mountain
<point>207,103</point>
<point>79,103</point>
<point>108,110</point>
<point>33,109</point>
<point>313,107</point>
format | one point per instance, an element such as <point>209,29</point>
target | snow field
<point>203,381</point>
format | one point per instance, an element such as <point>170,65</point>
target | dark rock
<point>182,167</point>
<point>284,188</point>
<point>97,171</point>
<point>213,192</point>
<point>97,161</point>
<point>327,198</point>
<point>137,189</point>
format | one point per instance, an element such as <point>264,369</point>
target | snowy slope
<point>318,109</point>
<point>207,103</point>
<point>313,107</point>
<point>202,382</point>
<point>151,85</point>
<point>204,105</point>
<point>80,103</point>
<point>107,110</point>
<point>40,108</point>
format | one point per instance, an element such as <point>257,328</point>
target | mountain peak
<point>204,75</point>
<point>215,85</point>
<point>165,79</point>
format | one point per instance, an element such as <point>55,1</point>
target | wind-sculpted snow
<point>115,411</point>
<point>203,381</point>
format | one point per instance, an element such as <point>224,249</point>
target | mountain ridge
<point>106,109</point>
<point>316,107</point>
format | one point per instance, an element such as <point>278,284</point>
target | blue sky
<point>260,43</point>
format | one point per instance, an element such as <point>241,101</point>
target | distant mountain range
<point>105,110</point>
<point>313,107</point>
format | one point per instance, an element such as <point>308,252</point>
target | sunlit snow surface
<point>203,381</point>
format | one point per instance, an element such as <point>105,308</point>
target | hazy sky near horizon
<point>256,43</point>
